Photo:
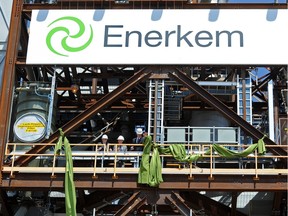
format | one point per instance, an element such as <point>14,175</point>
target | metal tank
<point>35,113</point>
<point>208,119</point>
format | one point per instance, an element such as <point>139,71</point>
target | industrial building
<point>204,83</point>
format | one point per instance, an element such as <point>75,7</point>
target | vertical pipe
<point>94,86</point>
<point>271,110</point>
<point>276,116</point>
<point>162,112</point>
<point>51,105</point>
<point>244,104</point>
<point>244,94</point>
<point>211,158</point>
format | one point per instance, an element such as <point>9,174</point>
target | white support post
<point>270,110</point>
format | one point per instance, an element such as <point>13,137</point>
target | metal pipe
<point>271,110</point>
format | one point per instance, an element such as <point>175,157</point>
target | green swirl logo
<point>64,44</point>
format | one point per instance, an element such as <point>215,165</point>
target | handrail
<point>134,157</point>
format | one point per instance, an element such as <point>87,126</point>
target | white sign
<point>30,127</point>
<point>158,37</point>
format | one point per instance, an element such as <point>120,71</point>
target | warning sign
<point>31,126</point>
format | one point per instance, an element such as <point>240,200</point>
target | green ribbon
<point>150,171</point>
<point>70,192</point>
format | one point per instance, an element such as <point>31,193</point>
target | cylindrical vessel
<point>32,116</point>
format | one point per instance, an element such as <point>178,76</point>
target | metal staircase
<point>156,110</point>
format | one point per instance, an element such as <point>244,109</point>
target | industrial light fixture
<point>74,88</point>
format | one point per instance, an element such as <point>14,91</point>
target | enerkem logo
<point>118,36</point>
<point>65,46</point>
<point>168,38</point>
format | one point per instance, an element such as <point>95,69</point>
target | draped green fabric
<point>155,174</point>
<point>143,176</point>
<point>226,153</point>
<point>70,192</point>
<point>150,171</point>
<point>179,153</point>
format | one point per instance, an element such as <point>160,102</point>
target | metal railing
<point>108,161</point>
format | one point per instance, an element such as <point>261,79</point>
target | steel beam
<point>209,204</point>
<point>9,76</point>
<point>271,76</point>
<point>29,181</point>
<point>99,105</point>
<point>181,77</point>
<point>234,203</point>
<point>134,202</point>
<point>148,4</point>
<point>178,202</point>
<point>105,201</point>
<point>5,207</point>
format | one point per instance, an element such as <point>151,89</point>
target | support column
<point>234,204</point>
<point>276,203</point>
<point>9,76</point>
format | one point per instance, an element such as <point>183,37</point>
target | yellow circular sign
<point>30,127</point>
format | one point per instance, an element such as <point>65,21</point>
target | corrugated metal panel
<point>5,12</point>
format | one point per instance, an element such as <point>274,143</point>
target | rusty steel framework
<point>175,195</point>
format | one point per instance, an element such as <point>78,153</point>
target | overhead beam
<point>148,4</point>
<point>90,112</point>
<point>181,77</point>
